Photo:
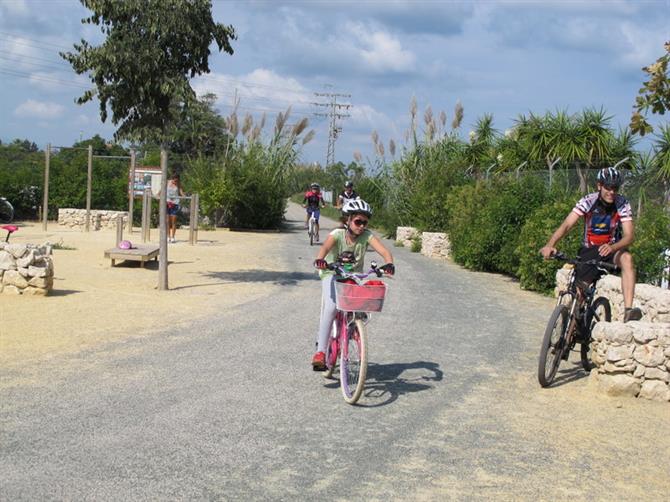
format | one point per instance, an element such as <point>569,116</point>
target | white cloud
<point>39,109</point>
<point>381,51</point>
<point>261,90</point>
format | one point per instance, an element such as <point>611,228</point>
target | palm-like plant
<point>597,137</point>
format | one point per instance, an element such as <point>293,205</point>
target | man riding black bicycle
<point>608,231</point>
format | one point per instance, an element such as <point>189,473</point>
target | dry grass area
<point>93,303</point>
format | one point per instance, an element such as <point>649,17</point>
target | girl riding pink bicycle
<point>351,241</point>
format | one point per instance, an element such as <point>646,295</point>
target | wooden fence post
<point>131,194</point>
<point>45,201</point>
<point>89,185</point>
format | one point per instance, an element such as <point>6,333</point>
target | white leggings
<point>328,311</point>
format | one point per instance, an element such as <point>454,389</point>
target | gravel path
<point>229,409</point>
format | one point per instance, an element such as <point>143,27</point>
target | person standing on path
<point>354,240</point>
<point>608,231</point>
<point>174,191</point>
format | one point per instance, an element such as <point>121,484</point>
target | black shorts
<point>589,274</point>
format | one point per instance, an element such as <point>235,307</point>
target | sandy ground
<point>93,303</point>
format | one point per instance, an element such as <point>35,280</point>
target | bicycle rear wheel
<point>353,362</point>
<point>6,211</point>
<point>332,350</point>
<point>311,231</point>
<point>600,310</point>
<point>553,345</point>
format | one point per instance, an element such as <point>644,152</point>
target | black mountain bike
<point>6,211</point>
<point>571,322</point>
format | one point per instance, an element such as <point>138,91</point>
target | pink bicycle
<point>356,297</point>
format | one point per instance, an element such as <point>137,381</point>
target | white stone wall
<point>100,219</point>
<point>26,269</point>
<point>435,245</point>
<point>406,234</point>
<point>653,301</point>
<point>632,359</point>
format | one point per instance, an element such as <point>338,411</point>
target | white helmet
<point>357,206</point>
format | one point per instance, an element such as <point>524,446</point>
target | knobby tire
<point>600,311</point>
<point>553,345</point>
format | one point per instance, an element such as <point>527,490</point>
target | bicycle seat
<point>10,228</point>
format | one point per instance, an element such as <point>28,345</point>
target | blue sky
<point>499,57</point>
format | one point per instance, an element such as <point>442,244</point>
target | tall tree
<point>152,49</point>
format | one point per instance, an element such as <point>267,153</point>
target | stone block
<point>617,353</point>
<point>644,332</point>
<point>8,289</point>
<point>7,261</point>
<point>619,385</point>
<point>656,374</point>
<point>639,371</point>
<point>35,291</point>
<point>23,272</point>
<point>17,250</point>
<point>617,332</point>
<point>649,356</point>
<point>655,390</point>
<point>26,260</point>
<point>13,278</point>
<point>608,367</point>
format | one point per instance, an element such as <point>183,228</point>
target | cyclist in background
<point>353,241</point>
<point>608,231</point>
<point>313,202</point>
<point>347,194</point>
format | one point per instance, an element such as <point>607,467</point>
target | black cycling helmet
<point>348,184</point>
<point>610,176</point>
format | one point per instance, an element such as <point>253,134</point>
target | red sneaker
<point>319,361</point>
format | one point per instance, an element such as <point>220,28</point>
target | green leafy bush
<point>652,238</point>
<point>485,221</point>
<point>533,271</point>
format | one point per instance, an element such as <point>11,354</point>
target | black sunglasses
<point>360,223</point>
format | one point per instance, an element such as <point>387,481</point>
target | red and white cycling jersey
<point>602,222</point>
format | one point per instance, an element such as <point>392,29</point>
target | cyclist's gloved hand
<point>320,264</point>
<point>389,268</point>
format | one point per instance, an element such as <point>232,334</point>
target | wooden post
<point>195,209</point>
<point>45,201</point>
<point>190,220</point>
<point>146,214</point>
<point>89,184</point>
<point>119,229</point>
<point>162,223</point>
<point>131,193</point>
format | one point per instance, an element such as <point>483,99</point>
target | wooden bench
<point>139,253</point>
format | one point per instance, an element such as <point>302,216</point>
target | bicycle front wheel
<point>553,345</point>
<point>6,212</point>
<point>600,310</point>
<point>311,231</point>
<point>353,362</point>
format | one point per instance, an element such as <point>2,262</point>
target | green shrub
<point>485,222</point>
<point>464,214</point>
<point>533,271</point>
<point>652,238</point>
<point>416,245</point>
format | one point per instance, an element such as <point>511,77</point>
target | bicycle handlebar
<point>575,261</point>
<point>357,276</point>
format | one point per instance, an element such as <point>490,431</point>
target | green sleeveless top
<point>359,247</point>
